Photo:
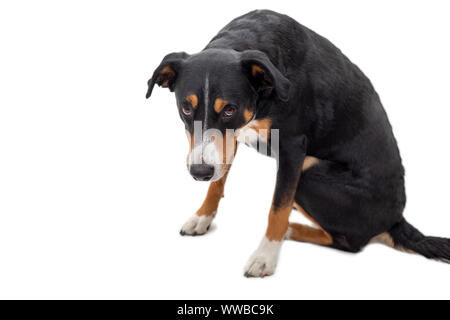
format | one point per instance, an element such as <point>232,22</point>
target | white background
<point>93,183</point>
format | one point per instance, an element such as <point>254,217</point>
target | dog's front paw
<point>260,267</point>
<point>264,261</point>
<point>196,225</point>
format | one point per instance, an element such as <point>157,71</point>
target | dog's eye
<point>229,111</point>
<point>186,110</point>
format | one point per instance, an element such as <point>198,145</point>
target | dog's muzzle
<point>204,163</point>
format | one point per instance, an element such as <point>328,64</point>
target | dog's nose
<point>202,172</point>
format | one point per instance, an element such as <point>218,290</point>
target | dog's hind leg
<point>304,233</point>
<point>351,208</point>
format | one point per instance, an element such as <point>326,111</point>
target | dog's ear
<point>263,75</point>
<point>166,73</point>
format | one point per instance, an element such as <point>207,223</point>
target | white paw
<point>197,225</point>
<point>264,261</point>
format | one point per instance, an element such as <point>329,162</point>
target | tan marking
<point>386,239</point>
<point>383,238</point>
<point>309,162</point>
<point>262,127</point>
<point>191,146</point>
<point>168,73</point>
<point>215,193</point>
<point>248,115</point>
<point>279,215</point>
<point>278,223</point>
<point>193,100</point>
<point>256,70</point>
<point>303,233</point>
<point>191,141</point>
<point>323,235</point>
<point>219,104</point>
<point>307,216</point>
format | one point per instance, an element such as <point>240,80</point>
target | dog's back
<point>342,114</point>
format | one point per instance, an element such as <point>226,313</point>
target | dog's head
<point>217,91</point>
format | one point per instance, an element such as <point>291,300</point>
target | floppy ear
<point>263,75</point>
<point>166,74</point>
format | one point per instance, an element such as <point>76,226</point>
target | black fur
<point>407,237</point>
<point>314,92</point>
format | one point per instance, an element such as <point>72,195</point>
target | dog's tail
<point>407,238</point>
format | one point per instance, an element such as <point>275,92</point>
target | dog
<point>338,162</point>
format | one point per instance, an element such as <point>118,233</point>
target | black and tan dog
<point>338,160</point>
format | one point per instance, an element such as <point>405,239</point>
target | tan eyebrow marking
<point>193,100</point>
<point>219,104</point>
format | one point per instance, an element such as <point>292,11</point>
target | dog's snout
<point>202,172</point>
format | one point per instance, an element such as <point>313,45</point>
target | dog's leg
<point>199,223</point>
<point>304,233</point>
<point>290,161</point>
